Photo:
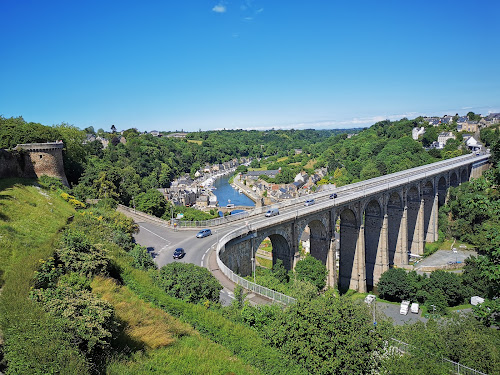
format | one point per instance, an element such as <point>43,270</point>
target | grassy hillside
<point>30,219</point>
<point>51,304</point>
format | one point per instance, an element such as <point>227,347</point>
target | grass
<point>265,263</point>
<point>194,141</point>
<point>143,322</point>
<point>310,164</point>
<point>26,210</point>
<point>30,221</point>
<point>169,345</point>
<point>191,355</point>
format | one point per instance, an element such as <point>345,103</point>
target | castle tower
<point>43,159</point>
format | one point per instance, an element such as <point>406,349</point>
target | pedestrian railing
<point>256,288</point>
<point>455,367</point>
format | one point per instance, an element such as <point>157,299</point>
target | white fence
<point>454,367</point>
<point>263,291</point>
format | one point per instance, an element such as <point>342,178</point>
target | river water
<point>227,194</point>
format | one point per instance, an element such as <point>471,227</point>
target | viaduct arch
<point>378,229</point>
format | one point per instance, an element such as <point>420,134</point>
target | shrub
<point>49,272</point>
<point>189,282</point>
<point>89,319</point>
<point>78,255</point>
<point>142,259</point>
<point>312,270</point>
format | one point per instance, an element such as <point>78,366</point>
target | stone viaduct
<point>378,222</point>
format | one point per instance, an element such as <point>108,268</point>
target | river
<point>227,194</point>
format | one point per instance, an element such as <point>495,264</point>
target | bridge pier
<point>358,282</point>
<point>382,263</point>
<point>378,228</point>
<point>332,264</point>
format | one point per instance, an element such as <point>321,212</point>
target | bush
<point>48,274</point>
<point>189,282</point>
<point>142,259</point>
<point>312,270</point>
<point>78,255</point>
<point>89,319</point>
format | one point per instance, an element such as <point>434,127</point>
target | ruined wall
<point>33,160</point>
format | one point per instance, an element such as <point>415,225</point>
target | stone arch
<point>413,207</point>
<point>454,179</point>
<point>349,230</point>
<point>464,175</point>
<point>319,240</point>
<point>396,228</point>
<point>442,187</point>
<point>281,250</point>
<point>373,221</point>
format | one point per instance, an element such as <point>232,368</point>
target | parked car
<point>405,305</point>
<point>272,212</point>
<point>204,233</point>
<point>179,253</point>
<point>309,202</point>
<point>476,300</point>
<point>414,308</point>
<point>334,195</point>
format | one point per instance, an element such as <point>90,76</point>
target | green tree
<point>189,282</point>
<point>142,258</point>
<point>312,270</point>
<point>152,202</point>
<point>280,272</point>
<point>394,285</point>
<point>327,335</point>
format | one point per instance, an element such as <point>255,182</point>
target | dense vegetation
<point>88,267</point>
<point>67,304</point>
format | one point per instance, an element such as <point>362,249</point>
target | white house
<point>417,132</point>
<point>444,137</point>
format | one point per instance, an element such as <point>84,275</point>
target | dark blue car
<point>179,253</point>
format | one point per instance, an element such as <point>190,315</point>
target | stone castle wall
<point>33,160</point>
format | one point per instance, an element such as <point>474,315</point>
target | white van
<point>272,212</point>
<point>405,305</point>
<point>414,308</point>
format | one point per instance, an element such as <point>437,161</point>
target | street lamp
<point>253,268</point>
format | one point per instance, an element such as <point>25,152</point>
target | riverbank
<point>247,191</point>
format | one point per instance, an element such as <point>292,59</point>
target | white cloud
<point>219,8</point>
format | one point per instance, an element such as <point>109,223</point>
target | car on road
<point>204,233</point>
<point>179,253</point>
<point>334,195</point>
<point>272,212</point>
<point>309,202</point>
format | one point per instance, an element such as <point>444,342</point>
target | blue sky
<point>257,64</point>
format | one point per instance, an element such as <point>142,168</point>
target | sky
<point>246,64</point>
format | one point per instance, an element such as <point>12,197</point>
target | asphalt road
<point>162,241</point>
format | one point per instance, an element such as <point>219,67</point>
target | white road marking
<point>167,242</point>
<point>157,235</point>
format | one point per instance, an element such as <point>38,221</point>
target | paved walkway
<point>212,266</point>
